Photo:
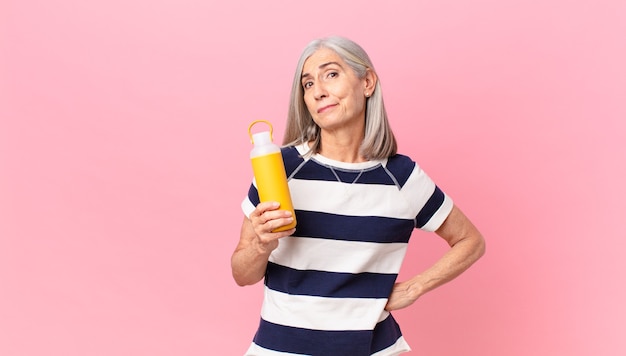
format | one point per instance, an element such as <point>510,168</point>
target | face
<point>333,93</point>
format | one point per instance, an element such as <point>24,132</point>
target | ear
<point>369,82</point>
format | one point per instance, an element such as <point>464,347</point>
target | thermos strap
<point>256,122</point>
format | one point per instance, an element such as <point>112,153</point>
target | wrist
<point>265,248</point>
<point>416,287</point>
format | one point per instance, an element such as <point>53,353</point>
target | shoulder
<point>401,167</point>
<point>291,158</point>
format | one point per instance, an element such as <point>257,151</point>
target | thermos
<point>269,171</point>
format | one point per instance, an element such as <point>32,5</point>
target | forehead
<point>321,57</point>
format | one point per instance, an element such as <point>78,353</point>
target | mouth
<point>325,108</point>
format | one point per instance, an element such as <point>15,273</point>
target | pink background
<point>124,158</point>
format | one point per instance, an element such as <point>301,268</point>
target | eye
<point>307,85</point>
<point>332,74</point>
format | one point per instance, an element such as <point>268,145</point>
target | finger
<point>269,211</point>
<point>262,218</point>
<point>270,226</point>
<point>266,206</point>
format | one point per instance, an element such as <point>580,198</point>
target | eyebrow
<point>304,75</point>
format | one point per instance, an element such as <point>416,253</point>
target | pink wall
<point>123,160</point>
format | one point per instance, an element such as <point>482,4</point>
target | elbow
<point>239,281</point>
<point>244,280</point>
<point>481,246</point>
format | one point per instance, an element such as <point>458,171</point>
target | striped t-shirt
<point>326,286</point>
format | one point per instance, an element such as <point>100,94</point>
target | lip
<point>324,108</point>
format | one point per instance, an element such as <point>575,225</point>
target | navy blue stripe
<point>401,167</point>
<point>328,284</point>
<point>432,205</point>
<point>376,176</point>
<point>353,228</point>
<point>323,343</point>
<point>291,158</point>
<point>314,170</point>
<point>253,195</point>
<point>386,333</point>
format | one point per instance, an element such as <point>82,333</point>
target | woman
<point>330,283</point>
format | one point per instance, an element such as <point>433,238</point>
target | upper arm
<point>458,227</point>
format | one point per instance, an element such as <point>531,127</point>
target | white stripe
<point>247,206</point>
<point>338,255</point>
<point>401,346</point>
<point>354,199</point>
<point>320,313</point>
<point>418,188</point>
<point>256,350</point>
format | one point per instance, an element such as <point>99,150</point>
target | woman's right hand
<point>267,217</point>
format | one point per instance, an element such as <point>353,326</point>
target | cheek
<point>357,101</point>
<point>309,102</point>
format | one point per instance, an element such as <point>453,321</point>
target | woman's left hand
<point>402,295</point>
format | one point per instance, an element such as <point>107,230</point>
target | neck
<point>344,149</point>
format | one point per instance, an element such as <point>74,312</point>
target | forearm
<point>249,265</point>
<point>454,262</point>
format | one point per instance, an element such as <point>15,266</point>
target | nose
<point>319,91</point>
